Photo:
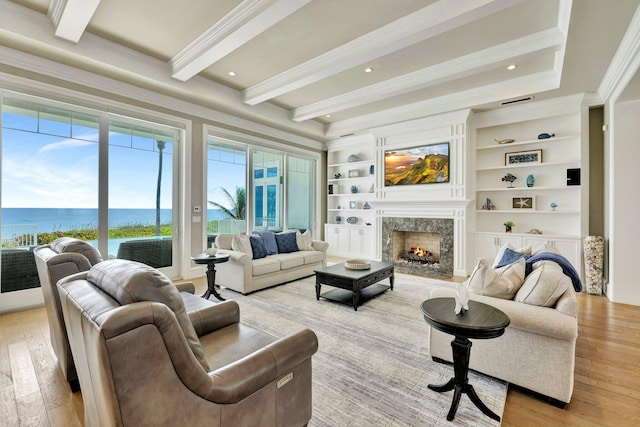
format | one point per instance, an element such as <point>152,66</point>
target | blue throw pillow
<point>509,257</point>
<point>286,242</point>
<point>257,246</point>
<point>269,242</point>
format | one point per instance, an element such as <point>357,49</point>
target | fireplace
<point>420,246</point>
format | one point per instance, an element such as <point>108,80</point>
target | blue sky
<point>56,171</point>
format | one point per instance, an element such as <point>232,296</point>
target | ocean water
<point>20,220</point>
<point>53,219</point>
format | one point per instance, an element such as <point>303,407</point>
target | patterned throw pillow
<point>509,257</point>
<point>502,283</point>
<point>286,242</point>
<point>257,246</point>
<point>269,242</point>
<point>304,241</point>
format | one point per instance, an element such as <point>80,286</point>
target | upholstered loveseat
<point>267,259</point>
<point>537,350</point>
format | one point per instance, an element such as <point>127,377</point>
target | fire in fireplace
<point>419,255</point>
<point>416,247</point>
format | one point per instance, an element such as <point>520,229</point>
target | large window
<point>226,188</point>
<point>55,162</point>
<point>280,187</point>
<point>300,173</point>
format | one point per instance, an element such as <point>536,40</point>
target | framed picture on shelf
<point>354,173</point>
<point>352,205</point>
<point>520,157</point>
<point>523,203</point>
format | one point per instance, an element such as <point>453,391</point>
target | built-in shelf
<point>529,142</point>
<point>518,189</point>
<point>352,194</point>
<point>530,165</point>
<point>357,178</point>
<point>527,211</point>
<point>352,165</point>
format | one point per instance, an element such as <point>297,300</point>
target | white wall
<point>623,225</point>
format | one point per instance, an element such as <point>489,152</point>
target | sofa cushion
<point>304,241</point>
<point>287,242</point>
<point>130,281</point>
<point>503,282</point>
<point>290,260</point>
<point>269,241</point>
<point>257,247</point>
<point>265,265</point>
<point>544,285</point>
<point>311,257</point>
<point>223,241</point>
<point>526,250</point>
<point>241,243</point>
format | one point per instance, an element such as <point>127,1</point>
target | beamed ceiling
<point>299,65</point>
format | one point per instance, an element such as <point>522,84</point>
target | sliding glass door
<point>300,184</point>
<point>69,171</point>
<point>49,187</point>
<point>267,183</point>
<point>141,202</point>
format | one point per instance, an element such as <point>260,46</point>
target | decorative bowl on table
<point>357,264</point>
<point>352,220</point>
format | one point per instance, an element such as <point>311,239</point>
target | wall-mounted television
<point>425,164</point>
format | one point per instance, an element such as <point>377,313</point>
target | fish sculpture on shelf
<point>546,135</point>
<point>504,141</point>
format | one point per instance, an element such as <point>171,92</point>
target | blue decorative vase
<point>371,170</point>
<point>338,219</point>
<point>531,180</point>
<point>354,189</point>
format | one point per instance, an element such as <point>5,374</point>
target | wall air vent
<point>513,101</point>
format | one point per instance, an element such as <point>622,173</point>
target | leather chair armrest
<point>186,287</point>
<point>236,381</point>
<point>216,316</point>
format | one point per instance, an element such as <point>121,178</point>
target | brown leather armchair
<point>62,258</point>
<point>66,256</point>
<point>141,361</point>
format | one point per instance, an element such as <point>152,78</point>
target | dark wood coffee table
<point>481,321</point>
<point>352,283</point>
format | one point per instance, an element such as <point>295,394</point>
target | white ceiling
<point>298,61</point>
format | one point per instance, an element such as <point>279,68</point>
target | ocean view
<point>53,219</point>
<point>46,220</point>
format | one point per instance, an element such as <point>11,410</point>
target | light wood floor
<point>34,393</point>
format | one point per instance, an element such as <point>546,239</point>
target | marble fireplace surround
<point>442,226</point>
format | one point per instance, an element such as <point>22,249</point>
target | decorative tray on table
<point>357,264</point>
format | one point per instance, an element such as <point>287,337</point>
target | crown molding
<point>243,23</point>
<point>477,96</point>
<point>495,56</point>
<point>625,62</point>
<point>435,19</point>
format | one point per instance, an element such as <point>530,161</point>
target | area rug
<point>372,367</point>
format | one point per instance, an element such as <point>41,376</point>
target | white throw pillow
<point>502,282</point>
<point>544,285</point>
<point>241,243</point>
<point>223,241</point>
<point>304,241</point>
<point>526,250</point>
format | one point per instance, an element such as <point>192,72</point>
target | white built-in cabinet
<point>562,226</point>
<point>350,227</point>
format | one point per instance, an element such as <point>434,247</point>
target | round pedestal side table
<point>481,321</point>
<point>210,261</point>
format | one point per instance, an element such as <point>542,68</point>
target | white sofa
<point>244,274</point>
<point>537,350</point>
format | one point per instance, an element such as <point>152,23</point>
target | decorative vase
<point>354,189</point>
<point>338,219</point>
<point>371,170</point>
<point>530,180</point>
<point>366,205</point>
<point>593,263</point>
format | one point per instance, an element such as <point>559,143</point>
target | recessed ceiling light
<point>368,70</point>
<point>232,73</point>
<point>512,67</point>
